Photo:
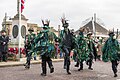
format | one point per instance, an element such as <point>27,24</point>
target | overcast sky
<point>75,11</point>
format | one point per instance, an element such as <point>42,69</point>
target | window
<point>23,31</point>
<point>15,31</point>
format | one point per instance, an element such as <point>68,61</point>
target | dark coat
<point>4,43</point>
<point>66,39</point>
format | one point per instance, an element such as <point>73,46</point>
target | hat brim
<point>111,33</point>
<point>31,30</point>
<point>3,31</point>
<point>45,27</point>
<point>89,34</point>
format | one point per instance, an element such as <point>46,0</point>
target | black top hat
<point>89,33</point>
<point>111,33</point>
<point>46,24</point>
<point>31,29</point>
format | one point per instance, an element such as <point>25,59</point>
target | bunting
<point>22,5</point>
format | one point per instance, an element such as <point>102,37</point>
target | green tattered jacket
<point>44,43</point>
<point>83,48</point>
<point>110,50</point>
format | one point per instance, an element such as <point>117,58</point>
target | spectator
<point>3,46</point>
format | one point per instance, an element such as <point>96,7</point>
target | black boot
<point>90,65</point>
<point>68,72</point>
<point>43,74</point>
<point>77,64</point>
<point>80,69</point>
<point>27,66</point>
<point>50,66</point>
<point>90,68</point>
<point>52,69</point>
<point>115,75</point>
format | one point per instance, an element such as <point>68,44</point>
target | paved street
<point>102,71</point>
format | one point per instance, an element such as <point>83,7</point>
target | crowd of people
<point>85,48</point>
<point>48,45</point>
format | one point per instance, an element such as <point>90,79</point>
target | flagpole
<point>93,23</point>
<point>19,37</point>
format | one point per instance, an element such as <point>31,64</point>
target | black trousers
<point>0,56</point>
<point>114,66</point>
<point>67,58</point>
<point>77,62</point>
<point>29,57</point>
<point>3,56</point>
<point>90,60</point>
<point>46,59</point>
<point>81,64</point>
